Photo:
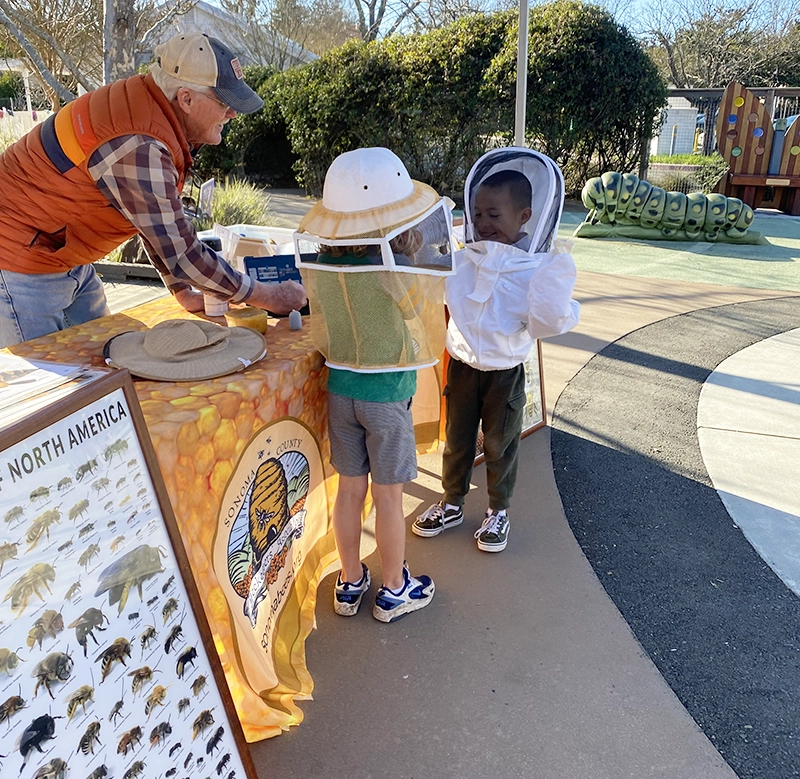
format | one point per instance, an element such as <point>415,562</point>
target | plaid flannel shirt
<point>137,175</point>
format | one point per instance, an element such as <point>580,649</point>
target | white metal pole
<point>522,75</point>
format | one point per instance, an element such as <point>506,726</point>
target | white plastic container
<point>214,306</point>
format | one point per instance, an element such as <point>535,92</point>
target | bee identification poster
<point>107,666</point>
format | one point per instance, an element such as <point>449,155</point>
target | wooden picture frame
<point>107,664</point>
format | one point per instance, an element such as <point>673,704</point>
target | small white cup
<point>214,306</point>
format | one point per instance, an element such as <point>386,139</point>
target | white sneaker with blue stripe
<point>416,593</point>
<point>347,595</point>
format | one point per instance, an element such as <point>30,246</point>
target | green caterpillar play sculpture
<point>624,206</point>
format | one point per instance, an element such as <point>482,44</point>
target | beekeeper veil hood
<point>547,186</point>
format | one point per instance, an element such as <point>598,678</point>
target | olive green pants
<point>496,401</point>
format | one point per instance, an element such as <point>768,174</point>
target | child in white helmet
<point>375,294</point>
<point>513,284</point>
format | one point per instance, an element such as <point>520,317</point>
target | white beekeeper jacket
<point>501,297</point>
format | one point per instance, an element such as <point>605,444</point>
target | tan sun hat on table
<point>185,350</point>
<point>367,193</point>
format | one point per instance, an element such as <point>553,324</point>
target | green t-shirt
<point>388,387</point>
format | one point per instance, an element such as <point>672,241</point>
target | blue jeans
<point>36,304</point>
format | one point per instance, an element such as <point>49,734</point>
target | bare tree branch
<point>35,58</point>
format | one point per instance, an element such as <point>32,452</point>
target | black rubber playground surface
<point>721,627</point>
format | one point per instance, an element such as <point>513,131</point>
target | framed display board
<point>107,665</point>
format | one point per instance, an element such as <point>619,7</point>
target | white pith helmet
<point>367,193</point>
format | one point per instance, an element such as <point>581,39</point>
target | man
<point>107,166</point>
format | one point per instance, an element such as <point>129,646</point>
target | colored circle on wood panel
<point>759,150</point>
<point>731,134</point>
<point>732,119</point>
<point>753,117</point>
<point>738,102</point>
<point>758,132</point>
<point>736,151</point>
<point>795,150</point>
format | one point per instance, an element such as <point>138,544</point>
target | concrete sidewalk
<point>523,665</point>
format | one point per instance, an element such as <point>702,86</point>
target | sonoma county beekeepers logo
<point>264,520</point>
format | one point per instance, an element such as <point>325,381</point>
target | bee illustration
<point>64,484</point>
<point>213,742</point>
<point>108,506</point>
<point>156,698</point>
<point>8,551</point>
<point>88,739</point>
<point>88,467</point>
<point>133,569</point>
<point>31,582</point>
<point>99,773</point>
<point>78,510</point>
<point>116,711</point>
<point>86,557</point>
<point>66,545</point>
<point>118,447</point>
<point>86,530</point>
<point>173,636</point>
<point>11,706</point>
<point>91,620</point>
<point>121,482</point>
<point>174,748</point>
<point>42,729</point>
<point>152,601</point>
<point>222,763</point>
<point>41,526</point>
<point>159,733</point>
<point>115,543</point>
<point>167,584</point>
<point>9,661</point>
<point>56,667</point>
<point>73,590</point>
<point>171,772</point>
<point>170,607</point>
<point>187,657</point>
<point>51,623</point>
<point>13,514</point>
<point>40,493</point>
<point>188,760</point>
<point>148,635</point>
<point>198,684</point>
<point>134,770</point>
<point>132,463</point>
<point>145,506</point>
<point>112,523</point>
<point>183,704</point>
<point>101,485</point>
<point>128,740</point>
<point>81,696</point>
<point>142,492</point>
<point>54,769</point>
<point>133,616</point>
<point>116,653</point>
<point>132,516</point>
<point>140,676</point>
<point>203,721</point>
<point>125,501</point>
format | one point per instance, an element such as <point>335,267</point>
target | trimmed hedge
<point>440,99</point>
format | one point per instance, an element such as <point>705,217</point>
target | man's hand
<point>190,299</point>
<point>278,298</point>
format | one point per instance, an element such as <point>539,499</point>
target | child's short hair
<point>517,184</point>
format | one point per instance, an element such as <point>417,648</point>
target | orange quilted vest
<point>52,214</point>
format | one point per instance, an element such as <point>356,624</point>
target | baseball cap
<point>199,59</point>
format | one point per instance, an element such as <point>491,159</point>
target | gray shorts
<point>370,437</point>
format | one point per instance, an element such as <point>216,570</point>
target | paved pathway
<point>642,622</point>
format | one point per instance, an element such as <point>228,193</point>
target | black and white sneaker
<point>492,535</point>
<point>436,519</point>
<point>347,595</point>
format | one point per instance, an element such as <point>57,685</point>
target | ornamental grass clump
<point>236,202</point>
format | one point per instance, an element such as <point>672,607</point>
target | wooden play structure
<point>764,160</point>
